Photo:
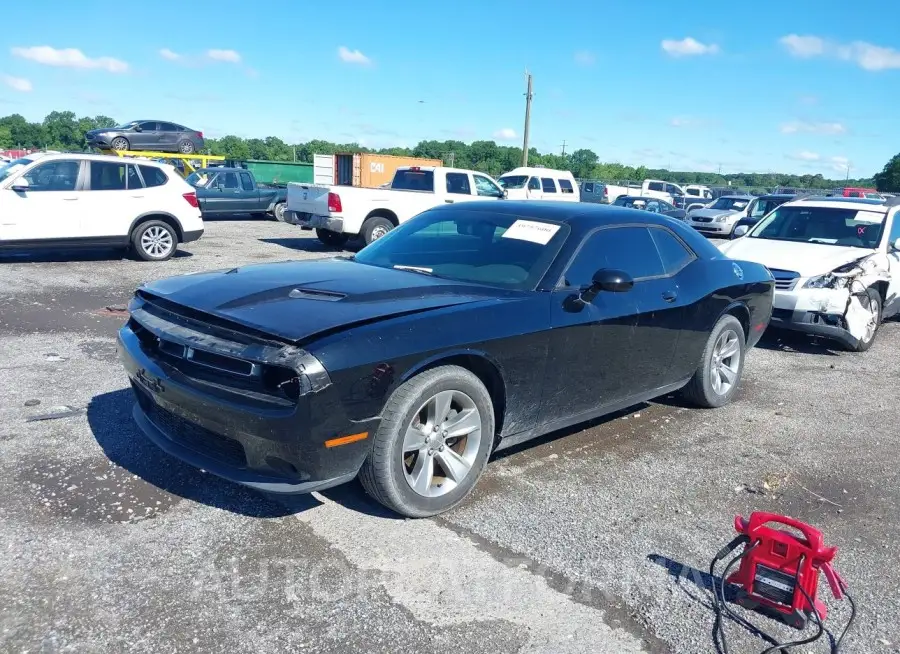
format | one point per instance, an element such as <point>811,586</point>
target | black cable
<point>837,645</point>
<point>806,641</point>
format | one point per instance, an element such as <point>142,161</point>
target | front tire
<point>870,300</point>
<point>331,239</point>
<point>716,380</point>
<point>154,240</point>
<point>120,144</point>
<point>435,437</point>
<point>278,211</point>
<point>374,228</point>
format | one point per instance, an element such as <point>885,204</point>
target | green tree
<point>888,180</point>
<point>6,141</point>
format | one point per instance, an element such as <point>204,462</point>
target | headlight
<point>826,281</point>
<point>721,219</point>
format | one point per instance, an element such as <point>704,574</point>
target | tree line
<point>63,130</point>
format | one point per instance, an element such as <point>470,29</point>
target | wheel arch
<point>742,312</point>
<point>167,218</point>
<point>480,364</point>
<point>383,213</point>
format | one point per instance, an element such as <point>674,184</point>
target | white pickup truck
<point>338,213</point>
<point>650,188</point>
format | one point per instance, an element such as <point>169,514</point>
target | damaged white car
<point>836,264</point>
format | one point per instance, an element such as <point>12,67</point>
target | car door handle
<point>670,296</point>
<point>449,201</point>
<point>70,199</point>
<point>137,196</point>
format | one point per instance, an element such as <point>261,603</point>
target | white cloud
<point>17,83</point>
<point>805,155</point>
<point>229,56</point>
<point>353,56</point>
<point>585,58</point>
<point>865,55</point>
<point>688,47</point>
<point>797,126</point>
<point>840,164</point>
<point>165,53</point>
<point>505,134</point>
<point>69,58</point>
<point>803,46</point>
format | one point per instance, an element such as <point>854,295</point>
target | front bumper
<point>716,229</point>
<point>267,447</point>
<point>312,221</point>
<point>819,312</point>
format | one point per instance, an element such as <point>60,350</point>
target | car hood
<point>711,213</point>
<point>807,259</point>
<point>297,300</point>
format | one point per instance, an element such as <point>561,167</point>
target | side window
<point>108,176</point>
<point>487,188</point>
<point>589,187</point>
<point>895,229</point>
<point>153,176</point>
<point>655,186</point>
<point>133,179</point>
<point>149,126</point>
<point>246,182</point>
<point>548,185</point>
<point>671,188</point>
<point>458,183</point>
<point>228,180</point>
<point>565,186</point>
<point>53,176</point>
<point>653,206</point>
<point>168,127</point>
<point>624,248</point>
<point>534,184</point>
<point>692,192</point>
<point>673,253</point>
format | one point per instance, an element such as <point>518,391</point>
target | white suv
<point>71,199</point>
<point>836,264</point>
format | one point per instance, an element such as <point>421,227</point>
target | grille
<point>785,280</point>
<point>702,220</point>
<point>191,435</point>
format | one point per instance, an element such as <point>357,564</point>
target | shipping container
<point>280,172</point>
<point>323,169</point>
<point>370,170</point>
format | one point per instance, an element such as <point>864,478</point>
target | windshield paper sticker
<point>869,217</point>
<point>529,230</point>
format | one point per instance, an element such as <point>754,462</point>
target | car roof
<point>823,202</point>
<point>579,215</point>
<point>531,170</point>
<point>94,157</point>
<point>639,197</point>
<point>777,196</point>
<point>737,196</point>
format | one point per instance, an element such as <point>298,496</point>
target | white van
<point>540,184</point>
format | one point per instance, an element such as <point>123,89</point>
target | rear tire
<point>332,239</point>
<point>405,470</point>
<point>154,240</point>
<point>374,228</point>
<point>278,211</point>
<point>716,380</point>
<point>120,144</point>
<point>186,147</point>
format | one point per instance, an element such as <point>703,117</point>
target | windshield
<point>729,204</point>
<point>513,181</point>
<point>413,180</point>
<point>763,207</point>
<point>197,179</point>
<point>827,226</point>
<point>470,246</point>
<point>14,166</point>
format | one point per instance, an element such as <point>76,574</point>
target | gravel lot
<point>585,541</point>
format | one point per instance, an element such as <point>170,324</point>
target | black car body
<point>147,135</point>
<point>758,208</point>
<point>228,191</point>
<point>651,204</point>
<point>279,376</point>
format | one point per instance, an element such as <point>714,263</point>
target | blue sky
<point>806,87</point>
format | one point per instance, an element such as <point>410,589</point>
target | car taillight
<point>191,199</point>
<point>334,203</point>
<point>200,134</point>
<point>605,192</point>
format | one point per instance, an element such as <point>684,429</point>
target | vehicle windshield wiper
<point>418,269</point>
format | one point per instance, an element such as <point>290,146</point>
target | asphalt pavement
<point>591,540</point>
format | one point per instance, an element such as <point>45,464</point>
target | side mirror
<point>505,194</point>
<point>138,128</point>
<point>740,230</point>
<point>20,185</point>
<point>609,280</point>
<point>895,246</point>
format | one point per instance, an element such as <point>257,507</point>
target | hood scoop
<point>316,294</point>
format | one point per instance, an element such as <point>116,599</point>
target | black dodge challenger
<point>470,328</point>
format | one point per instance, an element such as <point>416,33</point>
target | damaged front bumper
<point>825,312</point>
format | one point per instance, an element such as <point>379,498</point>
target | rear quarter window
<point>153,176</point>
<point>565,186</point>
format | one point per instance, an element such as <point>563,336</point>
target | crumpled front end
<point>839,305</point>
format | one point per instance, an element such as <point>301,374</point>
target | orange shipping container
<point>378,169</point>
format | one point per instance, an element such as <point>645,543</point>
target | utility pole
<point>528,96</point>
<point>564,147</point>
<point>848,173</point>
